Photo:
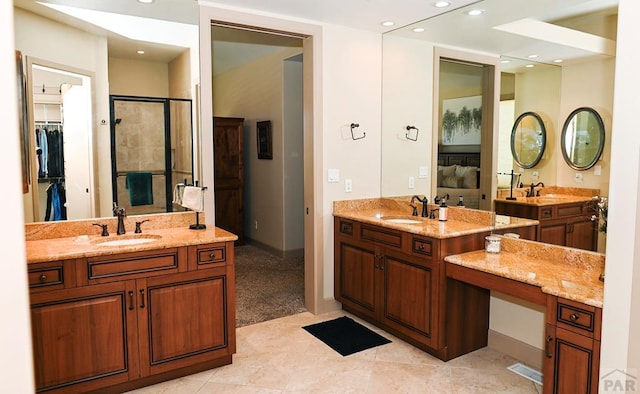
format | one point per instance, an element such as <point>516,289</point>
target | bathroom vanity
<point>389,269</point>
<point>114,313</point>
<point>565,219</point>
<point>429,283</point>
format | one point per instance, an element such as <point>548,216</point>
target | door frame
<point>315,299</point>
<point>490,104</point>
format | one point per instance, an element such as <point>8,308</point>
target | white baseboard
<point>523,352</point>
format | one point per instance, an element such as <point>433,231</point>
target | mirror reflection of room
<point>114,67</point>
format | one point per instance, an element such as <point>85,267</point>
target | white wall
<point>352,75</point>
<point>138,78</point>
<point>621,312</point>
<point>16,364</point>
<point>255,92</point>
<point>64,45</point>
<point>407,99</point>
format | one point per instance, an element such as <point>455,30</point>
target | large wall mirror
<point>582,138</point>
<point>528,139</point>
<point>81,63</point>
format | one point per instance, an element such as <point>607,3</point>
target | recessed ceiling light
<point>442,4</point>
<point>145,1</point>
<point>475,12</point>
<point>418,30</point>
<point>388,23</point>
<point>505,61</point>
<point>558,61</point>
<point>529,66</point>
<point>532,56</point>
<point>140,52</point>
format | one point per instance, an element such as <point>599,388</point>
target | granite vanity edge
<point>82,246</point>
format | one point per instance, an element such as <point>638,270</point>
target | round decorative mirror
<point>528,140</point>
<point>582,138</point>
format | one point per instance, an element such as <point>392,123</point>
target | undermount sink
<point>401,220</point>
<point>131,240</point>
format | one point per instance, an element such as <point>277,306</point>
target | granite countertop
<point>461,221</point>
<point>564,272</point>
<point>42,245</point>
<point>547,199</point>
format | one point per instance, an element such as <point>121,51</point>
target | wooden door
<point>228,175</point>
<point>356,268</point>
<point>409,296</point>
<point>582,234</point>
<point>183,319</point>
<point>84,338</point>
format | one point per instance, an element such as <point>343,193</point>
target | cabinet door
<point>582,234</point>
<point>553,233</point>
<point>85,337</point>
<point>571,363</point>
<point>355,276</point>
<point>183,319</point>
<point>409,300</point>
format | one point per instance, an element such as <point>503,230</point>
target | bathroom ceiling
<point>360,14</point>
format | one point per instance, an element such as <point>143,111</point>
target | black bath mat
<point>346,336</point>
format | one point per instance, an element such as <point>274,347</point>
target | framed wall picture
<point>265,140</point>
<point>461,121</point>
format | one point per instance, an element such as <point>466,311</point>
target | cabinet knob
<point>574,317</point>
<point>43,278</point>
<point>212,256</point>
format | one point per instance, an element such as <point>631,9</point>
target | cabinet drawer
<point>579,318</point>
<point>46,277</point>
<point>212,255</point>
<point>570,210</point>
<point>53,275</point>
<point>421,246</point>
<point>346,227</point>
<point>382,236</point>
<point>546,213</point>
<point>130,265</point>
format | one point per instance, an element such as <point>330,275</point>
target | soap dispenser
<point>443,211</point>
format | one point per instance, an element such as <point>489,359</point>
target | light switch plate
<point>348,185</point>
<point>597,170</point>
<point>535,175</point>
<point>412,182</point>
<point>423,172</point>
<point>333,175</point>
<point>578,177</point>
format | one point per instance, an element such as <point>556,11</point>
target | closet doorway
<point>60,100</point>
<point>151,151</point>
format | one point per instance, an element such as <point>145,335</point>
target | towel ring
<point>353,126</point>
<point>407,134</point>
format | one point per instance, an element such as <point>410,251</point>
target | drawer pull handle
<point>130,300</point>
<point>43,278</point>
<point>547,346</point>
<point>141,298</point>
<point>574,317</point>
<point>212,256</point>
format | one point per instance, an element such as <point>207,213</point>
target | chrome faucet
<point>425,209</point>
<point>531,192</point>
<point>120,213</point>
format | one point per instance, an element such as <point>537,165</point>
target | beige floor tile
<point>280,357</point>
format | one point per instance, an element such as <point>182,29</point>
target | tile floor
<point>278,356</point>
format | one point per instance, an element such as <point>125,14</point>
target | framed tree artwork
<point>265,140</point>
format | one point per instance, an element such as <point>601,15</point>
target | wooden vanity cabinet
<point>397,281</point>
<point>560,224</point>
<point>377,281</point>
<point>572,349</point>
<point>135,319</point>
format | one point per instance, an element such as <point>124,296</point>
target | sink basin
<point>127,240</point>
<point>401,219</point>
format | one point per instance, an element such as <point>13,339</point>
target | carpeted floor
<point>267,287</point>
